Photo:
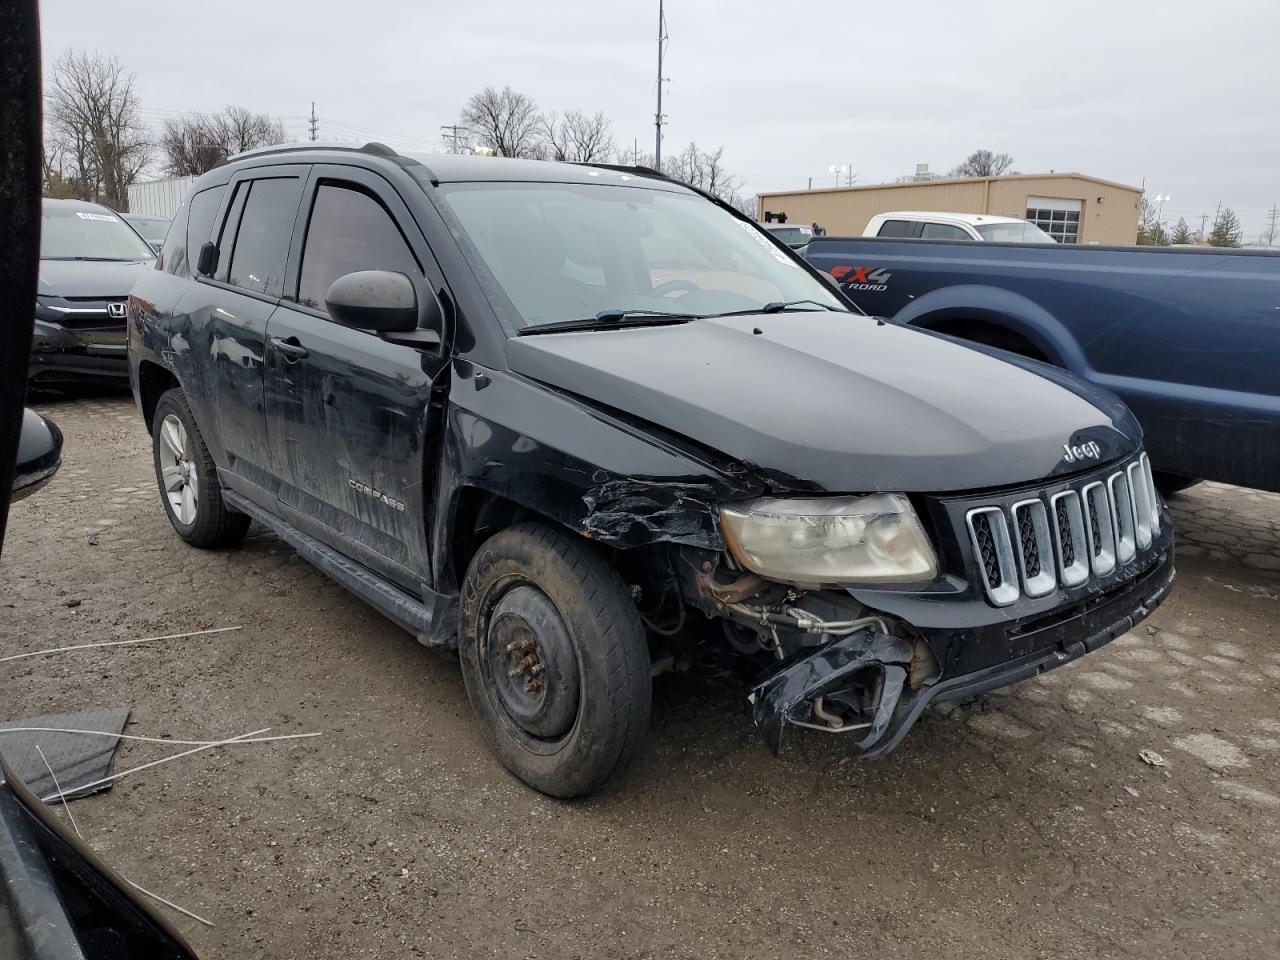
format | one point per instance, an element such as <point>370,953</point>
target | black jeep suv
<point>568,418</point>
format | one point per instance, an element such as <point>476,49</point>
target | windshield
<point>793,236</point>
<point>1013,233</point>
<point>563,251</point>
<point>67,233</point>
<point>153,229</point>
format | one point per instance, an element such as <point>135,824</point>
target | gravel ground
<point>1025,826</point>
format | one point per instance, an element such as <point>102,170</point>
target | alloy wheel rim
<point>178,470</point>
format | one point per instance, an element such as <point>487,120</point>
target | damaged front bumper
<point>876,676</point>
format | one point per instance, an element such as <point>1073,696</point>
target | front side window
<point>262,242</point>
<point>566,251</point>
<point>191,230</point>
<point>349,231</point>
<point>88,233</point>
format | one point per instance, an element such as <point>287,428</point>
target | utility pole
<point>657,117</point>
<point>314,123</point>
<point>452,132</point>
<point>1204,218</point>
<point>1273,216</point>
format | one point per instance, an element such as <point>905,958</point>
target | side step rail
<point>434,626</point>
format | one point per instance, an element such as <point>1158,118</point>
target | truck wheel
<point>554,658</point>
<point>188,480</point>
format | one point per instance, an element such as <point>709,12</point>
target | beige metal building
<point>1072,207</point>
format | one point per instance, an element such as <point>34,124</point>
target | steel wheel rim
<point>178,470</point>
<point>532,666</point>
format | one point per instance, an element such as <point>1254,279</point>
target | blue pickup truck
<point>1188,337</point>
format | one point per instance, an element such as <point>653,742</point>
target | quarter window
<point>349,231</point>
<point>262,242</point>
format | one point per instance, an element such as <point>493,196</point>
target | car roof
<point>970,218</point>
<point>787,226</point>
<point>463,168</point>
<point>57,204</point>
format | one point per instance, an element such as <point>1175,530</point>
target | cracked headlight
<point>830,540</point>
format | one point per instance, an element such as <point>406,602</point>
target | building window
<point>1058,217</point>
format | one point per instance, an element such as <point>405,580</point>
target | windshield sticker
<point>765,242</point>
<point>98,216</point>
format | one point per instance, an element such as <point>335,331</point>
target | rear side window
<point>899,228</point>
<point>348,231</point>
<point>262,241</point>
<point>186,244</point>
<point>943,231</point>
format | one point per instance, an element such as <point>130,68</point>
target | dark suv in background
<point>577,420</point>
<point>89,258</point>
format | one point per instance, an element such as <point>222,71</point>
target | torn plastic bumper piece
<point>788,695</point>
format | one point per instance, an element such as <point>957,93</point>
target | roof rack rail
<point>373,147</point>
<point>625,168</point>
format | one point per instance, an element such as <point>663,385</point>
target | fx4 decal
<point>862,278</point>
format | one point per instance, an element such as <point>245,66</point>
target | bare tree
<point>555,136</point>
<point>92,103</point>
<point>577,137</point>
<point>590,137</point>
<point>983,163</point>
<point>190,146</point>
<point>505,122</point>
<point>705,171</point>
<point>198,143</point>
<point>239,130</point>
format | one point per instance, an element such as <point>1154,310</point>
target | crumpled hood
<point>89,278</point>
<point>838,401</point>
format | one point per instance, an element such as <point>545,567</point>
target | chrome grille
<point>1032,546</point>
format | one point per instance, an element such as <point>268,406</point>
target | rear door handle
<point>291,347</point>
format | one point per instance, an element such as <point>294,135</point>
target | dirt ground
<point>1023,827</point>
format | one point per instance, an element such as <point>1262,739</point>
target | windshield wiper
<point>95,259</point>
<point>612,319</point>
<point>777,306</point>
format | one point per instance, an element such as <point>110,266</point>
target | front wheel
<point>554,658</point>
<point>188,478</point>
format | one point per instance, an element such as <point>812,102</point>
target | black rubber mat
<point>77,759</point>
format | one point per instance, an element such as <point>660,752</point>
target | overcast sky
<point>1182,95</point>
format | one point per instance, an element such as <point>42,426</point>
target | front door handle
<point>291,347</point>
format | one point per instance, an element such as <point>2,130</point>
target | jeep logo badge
<point>1085,451</point>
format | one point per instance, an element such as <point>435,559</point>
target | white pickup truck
<point>923,225</point>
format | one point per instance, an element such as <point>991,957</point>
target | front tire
<point>554,659</point>
<point>188,478</point>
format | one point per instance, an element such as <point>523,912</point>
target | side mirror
<point>374,300</point>
<point>207,262</point>
<point>39,455</point>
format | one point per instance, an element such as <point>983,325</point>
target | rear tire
<point>188,479</point>
<point>554,658</point>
